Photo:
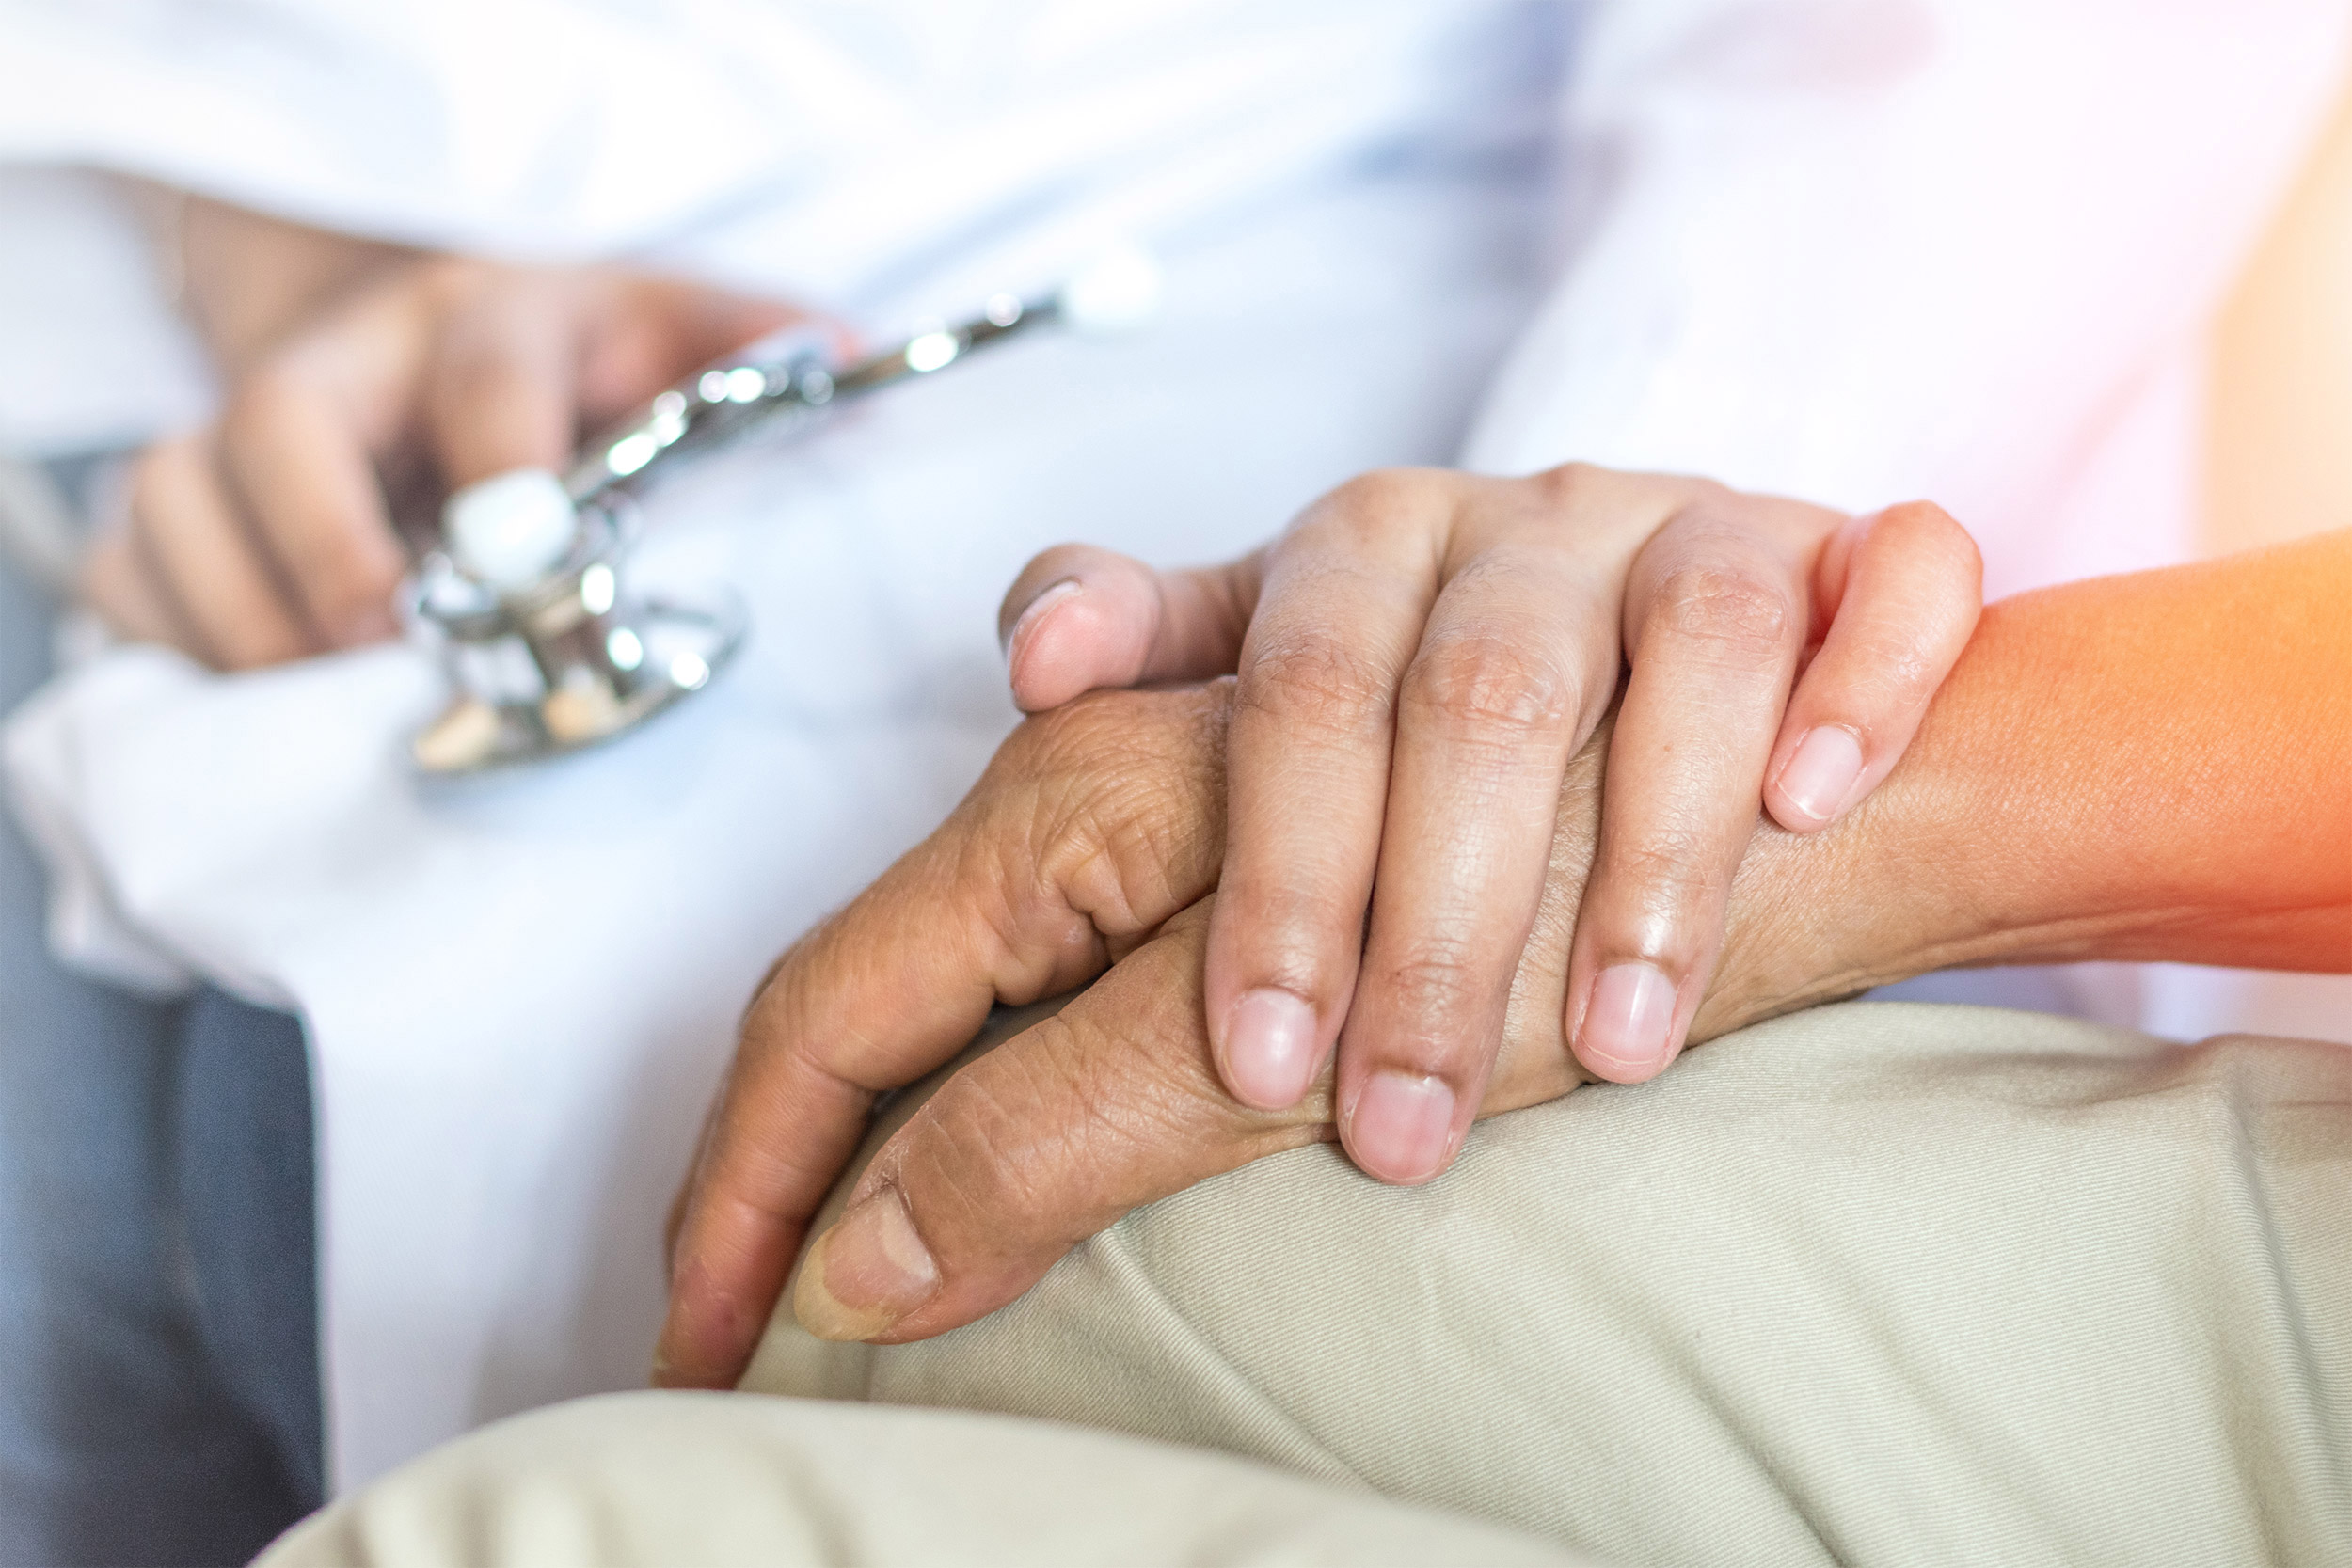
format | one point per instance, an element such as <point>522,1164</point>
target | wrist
<point>2137,769</point>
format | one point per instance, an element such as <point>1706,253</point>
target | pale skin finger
<point>241,611</point>
<point>309,484</point>
<point>1115,1102</point>
<point>125,590</point>
<point>302,438</point>
<point>1339,620</point>
<point>1905,588</point>
<point>1515,667</point>
<point>1716,619</point>
<point>500,389</point>
<point>1026,892</point>
<point>1080,619</point>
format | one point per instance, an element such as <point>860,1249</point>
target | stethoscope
<point>548,647</point>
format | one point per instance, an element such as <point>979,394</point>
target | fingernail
<point>1403,1127</point>
<point>1270,1049</point>
<point>1822,773</point>
<point>1026,623</point>
<point>864,1273</point>
<point>1628,1028</point>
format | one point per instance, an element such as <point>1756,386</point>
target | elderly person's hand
<point>364,384</point>
<point>1419,657</point>
<point>1094,839</point>
<point>2145,767</point>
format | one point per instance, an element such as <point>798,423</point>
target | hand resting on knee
<point>2145,767</point>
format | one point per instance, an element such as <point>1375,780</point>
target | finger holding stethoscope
<point>270,536</point>
<point>1418,658</point>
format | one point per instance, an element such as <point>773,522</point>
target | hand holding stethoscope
<point>548,647</point>
<point>366,384</point>
<point>361,386</point>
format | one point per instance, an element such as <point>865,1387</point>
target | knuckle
<point>1384,493</point>
<point>1374,506</point>
<point>1737,607</point>
<point>1671,868</point>
<point>1094,735</point>
<point>1487,680</point>
<point>1108,812</point>
<point>1886,666</point>
<point>1566,487</point>
<point>1441,981</point>
<point>1315,681</point>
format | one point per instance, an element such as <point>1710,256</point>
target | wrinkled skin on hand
<point>1418,655</point>
<point>1091,844</point>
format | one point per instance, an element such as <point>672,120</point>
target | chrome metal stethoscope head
<point>547,649</point>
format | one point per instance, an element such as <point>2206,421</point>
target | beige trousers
<point>1878,1284</point>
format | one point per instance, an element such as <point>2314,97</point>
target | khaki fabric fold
<point>712,1480</point>
<point>1881,1283</point>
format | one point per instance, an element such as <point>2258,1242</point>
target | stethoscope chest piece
<point>569,661</point>
<point>547,649</point>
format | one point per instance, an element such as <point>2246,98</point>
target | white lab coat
<point>1858,249</point>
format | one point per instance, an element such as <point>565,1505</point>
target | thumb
<point>1053,865</point>
<point>1108,1106</point>
<point>1079,619</point>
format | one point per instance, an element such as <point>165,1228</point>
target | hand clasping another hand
<point>1101,829</point>
<point>1090,844</point>
<point>1419,657</point>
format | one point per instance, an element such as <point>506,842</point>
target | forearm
<point>2148,767</point>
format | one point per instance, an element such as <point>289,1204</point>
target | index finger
<point>300,445</point>
<point>1054,862</point>
<point>499,391</point>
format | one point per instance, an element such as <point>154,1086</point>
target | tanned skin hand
<point>2147,767</point>
<point>1420,655</point>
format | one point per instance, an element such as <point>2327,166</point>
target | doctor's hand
<point>364,388</point>
<point>1419,657</point>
